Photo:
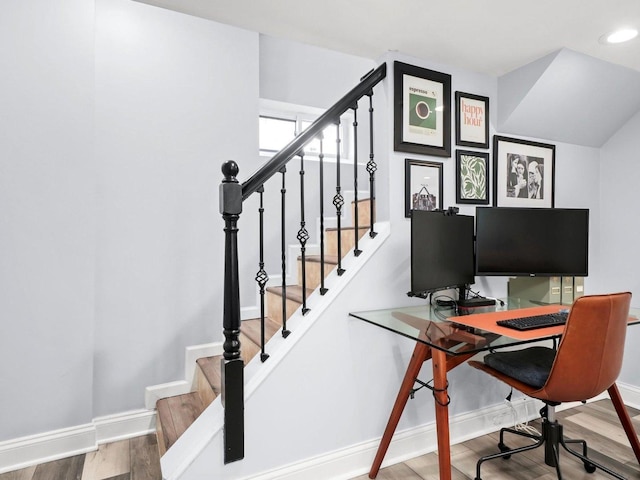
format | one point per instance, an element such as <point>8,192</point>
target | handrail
<point>281,158</point>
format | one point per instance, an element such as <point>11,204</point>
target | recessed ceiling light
<point>619,36</point>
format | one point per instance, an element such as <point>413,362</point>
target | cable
<point>517,425</point>
<point>477,295</point>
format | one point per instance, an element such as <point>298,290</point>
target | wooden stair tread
<point>176,414</point>
<point>294,292</point>
<point>328,259</point>
<point>210,367</point>
<point>251,328</point>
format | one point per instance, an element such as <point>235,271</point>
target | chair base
<point>552,437</point>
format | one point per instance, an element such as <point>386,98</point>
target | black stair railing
<point>232,196</point>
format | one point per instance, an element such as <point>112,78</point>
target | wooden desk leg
<point>625,420</point>
<point>441,399</point>
<point>421,353</point>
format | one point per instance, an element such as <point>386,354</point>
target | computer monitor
<point>441,251</point>
<point>532,241</point>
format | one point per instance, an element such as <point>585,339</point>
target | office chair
<point>586,363</point>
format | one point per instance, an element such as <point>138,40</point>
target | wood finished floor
<point>596,422</point>
<point>137,458</point>
<point>133,459</point>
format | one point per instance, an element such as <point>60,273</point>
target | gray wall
<point>171,91</point>
<point>620,227</point>
<point>111,241</point>
<point>47,215</point>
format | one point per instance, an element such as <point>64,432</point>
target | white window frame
<point>300,113</point>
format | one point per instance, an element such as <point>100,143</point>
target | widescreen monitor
<point>441,251</point>
<point>532,241</point>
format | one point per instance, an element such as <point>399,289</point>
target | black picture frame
<point>472,120</point>
<point>513,159</point>
<point>472,177</point>
<point>422,110</point>
<point>419,193</point>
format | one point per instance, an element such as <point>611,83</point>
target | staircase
<point>175,414</point>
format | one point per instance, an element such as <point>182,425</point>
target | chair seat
<point>529,365</point>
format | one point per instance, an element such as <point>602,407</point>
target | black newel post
<point>232,364</point>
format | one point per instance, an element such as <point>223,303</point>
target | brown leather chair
<point>586,363</point>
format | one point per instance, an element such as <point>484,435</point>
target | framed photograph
<point>472,177</point>
<point>422,111</point>
<point>423,186</point>
<point>523,173</point>
<point>472,120</point>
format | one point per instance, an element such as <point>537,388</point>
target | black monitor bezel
<point>538,273</point>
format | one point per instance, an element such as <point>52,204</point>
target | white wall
<point>306,75</point>
<point>620,227</point>
<point>175,97</point>
<point>47,219</point>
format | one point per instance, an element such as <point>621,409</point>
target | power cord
<point>520,426</point>
<point>477,295</point>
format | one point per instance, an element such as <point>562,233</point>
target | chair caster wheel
<point>589,467</point>
<point>503,448</point>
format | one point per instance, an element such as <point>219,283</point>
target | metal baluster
<point>371,167</point>
<point>356,227</point>
<point>232,366</point>
<point>303,237</point>
<point>338,200</point>
<point>323,289</point>
<point>283,254</point>
<point>261,277</point>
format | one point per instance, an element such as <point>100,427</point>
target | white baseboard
<point>340,464</point>
<point>356,460</point>
<point>46,447</point>
<point>630,394</point>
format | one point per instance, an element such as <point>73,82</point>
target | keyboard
<point>536,321</point>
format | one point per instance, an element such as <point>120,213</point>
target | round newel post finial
<point>230,171</point>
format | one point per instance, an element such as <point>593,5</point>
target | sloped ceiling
<point>568,97</point>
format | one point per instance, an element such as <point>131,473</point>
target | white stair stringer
<point>209,424</point>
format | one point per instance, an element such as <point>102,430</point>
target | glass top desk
<point>450,339</point>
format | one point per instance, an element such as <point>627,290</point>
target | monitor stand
<point>473,302</point>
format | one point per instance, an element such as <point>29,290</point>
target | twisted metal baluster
<point>338,200</point>
<point>283,250</point>
<point>261,277</point>
<point>303,237</point>
<point>356,227</point>
<point>323,289</point>
<point>371,167</point>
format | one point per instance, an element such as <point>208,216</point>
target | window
<point>275,133</point>
<point>281,122</point>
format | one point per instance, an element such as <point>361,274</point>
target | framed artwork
<point>472,177</point>
<point>472,120</point>
<point>523,173</point>
<point>423,186</point>
<point>422,111</point>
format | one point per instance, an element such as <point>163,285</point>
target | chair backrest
<point>590,353</point>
